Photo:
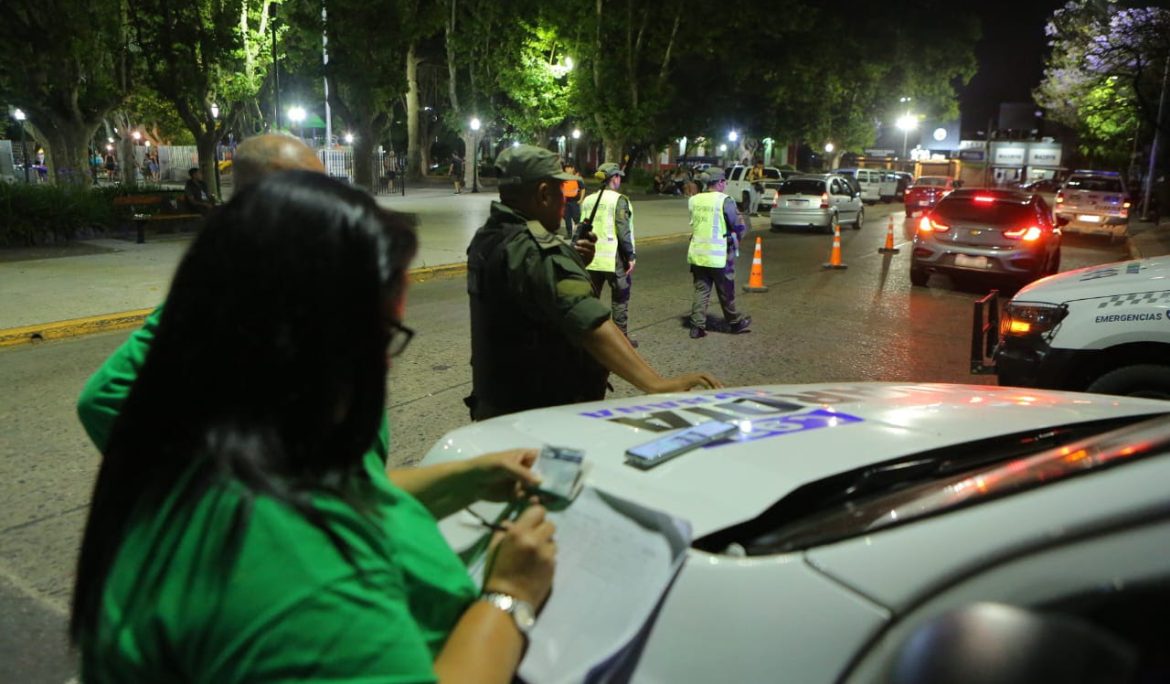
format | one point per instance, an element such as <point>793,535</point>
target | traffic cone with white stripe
<point>756,281</point>
<point>889,248</point>
<point>835,255</point>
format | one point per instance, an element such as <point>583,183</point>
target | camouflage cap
<point>527,164</point>
<point>712,174</point>
<point>609,169</point>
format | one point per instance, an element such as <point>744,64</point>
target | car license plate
<point>964,261</point>
<point>797,203</point>
<point>1089,218</point>
<point>924,203</point>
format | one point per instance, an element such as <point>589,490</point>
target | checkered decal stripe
<point>1136,299</point>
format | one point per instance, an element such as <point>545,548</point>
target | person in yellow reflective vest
<point>613,263</point>
<point>716,229</point>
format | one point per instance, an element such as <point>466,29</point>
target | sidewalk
<point>112,283</point>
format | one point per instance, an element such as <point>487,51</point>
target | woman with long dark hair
<point>240,528</point>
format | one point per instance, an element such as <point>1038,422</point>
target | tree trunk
<point>363,154</point>
<point>469,157</point>
<point>614,149</point>
<point>205,148</point>
<point>68,149</point>
<point>414,170</point>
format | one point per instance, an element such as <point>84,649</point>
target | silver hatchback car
<point>817,201</point>
<point>988,233</point>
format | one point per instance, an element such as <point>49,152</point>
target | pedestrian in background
<point>539,335</point>
<point>196,194</point>
<point>574,190</point>
<point>456,172</point>
<point>254,537</point>
<point>716,229</point>
<point>613,263</point>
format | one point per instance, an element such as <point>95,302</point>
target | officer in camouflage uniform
<point>539,336</point>
<point>614,226</point>
<point>716,229</point>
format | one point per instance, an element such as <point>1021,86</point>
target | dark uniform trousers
<point>619,290</point>
<point>722,280</point>
<point>572,217</point>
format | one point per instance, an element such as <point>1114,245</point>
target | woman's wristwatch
<point>522,612</point>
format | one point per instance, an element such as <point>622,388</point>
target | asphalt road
<point>813,325</point>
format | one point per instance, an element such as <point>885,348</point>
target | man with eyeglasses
<point>539,335</point>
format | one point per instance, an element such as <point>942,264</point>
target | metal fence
<point>386,169</point>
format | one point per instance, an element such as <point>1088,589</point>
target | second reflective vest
<point>708,230</point>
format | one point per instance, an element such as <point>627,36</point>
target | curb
<point>72,328</point>
<point>76,327</point>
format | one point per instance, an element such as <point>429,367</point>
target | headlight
<point>1030,318</point>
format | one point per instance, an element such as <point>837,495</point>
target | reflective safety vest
<point>708,230</point>
<point>605,227</point>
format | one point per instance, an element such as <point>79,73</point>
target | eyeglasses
<point>400,337</point>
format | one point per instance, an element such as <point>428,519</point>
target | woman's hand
<point>501,475</point>
<point>523,557</point>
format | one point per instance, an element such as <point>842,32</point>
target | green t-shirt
<point>178,605</point>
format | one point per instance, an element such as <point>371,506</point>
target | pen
<point>486,523</point>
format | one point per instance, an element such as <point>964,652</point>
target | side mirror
<point>1061,221</point>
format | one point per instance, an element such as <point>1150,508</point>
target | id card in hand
<point>560,470</point>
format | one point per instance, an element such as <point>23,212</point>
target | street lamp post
<point>475,124</point>
<point>20,116</point>
<point>215,157</point>
<point>275,68</point>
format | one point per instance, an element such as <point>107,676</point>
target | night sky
<point>1011,58</point>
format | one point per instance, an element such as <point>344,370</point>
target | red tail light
<point>824,200</point>
<point>1029,234</point>
<point>984,199</point>
<point>929,225</point>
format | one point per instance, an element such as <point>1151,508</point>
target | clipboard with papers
<point>616,561</point>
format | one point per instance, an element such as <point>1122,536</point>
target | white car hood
<point>1120,278</point>
<point>809,432</point>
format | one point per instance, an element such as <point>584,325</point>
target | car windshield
<point>971,210</point>
<point>1095,184</point>
<point>942,480</point>
<point>772,173</point>
<point>931,182</point>
<point>804,186</point>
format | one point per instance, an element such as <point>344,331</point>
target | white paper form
<point>615,560</point>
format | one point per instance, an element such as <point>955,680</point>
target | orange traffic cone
<point>835,255</point>
<point>889,248</point>
<point>756,281</point>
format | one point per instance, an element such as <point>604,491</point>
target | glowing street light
<point>136,135</point>
<point>576,134</point>
<point>906,123</point>
<point>349,138</point>
<point>296,114</point>
<point>214,111</point>
<point>569,63</point>
<point>829,148</point>
<point>732,136</point>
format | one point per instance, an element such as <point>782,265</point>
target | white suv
<point>1094,202</point>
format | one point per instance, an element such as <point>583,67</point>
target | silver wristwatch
<point>522,612</point>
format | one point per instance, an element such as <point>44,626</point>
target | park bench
<point>137,207</point>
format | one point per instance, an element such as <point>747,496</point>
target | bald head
<point>261,155</point>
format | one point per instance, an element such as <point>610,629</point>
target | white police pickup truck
<point>1102,329</point>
